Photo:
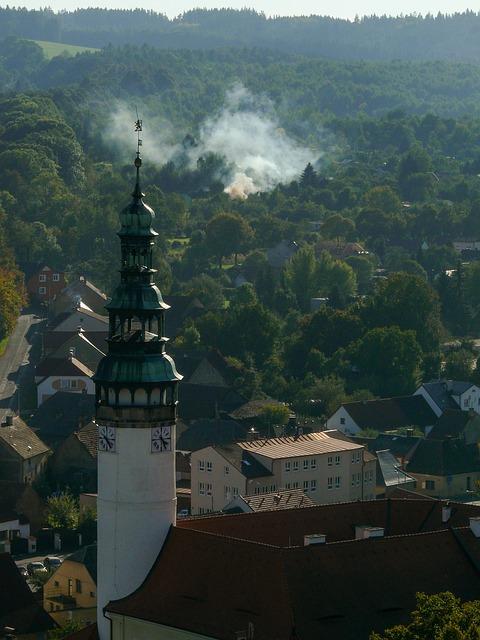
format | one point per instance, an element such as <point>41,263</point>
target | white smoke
<point>246,132</point>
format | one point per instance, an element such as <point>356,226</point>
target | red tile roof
<point>217,586</point>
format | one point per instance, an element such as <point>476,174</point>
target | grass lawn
<point>3,345</point>
<point>52,49</point>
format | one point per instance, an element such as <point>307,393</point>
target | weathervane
<point>138,130</point>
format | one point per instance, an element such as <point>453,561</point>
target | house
<point>62,414</point>
<point>15,534</point>
<point>80,290</point>
<point>278,255</point>
<point>62,374</point>
<point>340,250</point>
<point>327,467</point>
<point>23,456</point>
<point>79,346</point>
<point>79,318</point>
<point>251,413</point>
<point>74,462</point>
<point>204,432</point>
<point>24,501</point>
<point>400,445</point>
<point>53,340</point>
<point>207,401</point>
<point>445,468</point>
<point>182,308</point>
<point>390,475</point>
<point>210,369</point>
<point>19,609</point>
<point>316,572</point>
<point>74,583</point>
<point>284,499</point>
<point>454,423</point>
<point>385,414</point>
<point>44,283</point>
<point>450,394</point>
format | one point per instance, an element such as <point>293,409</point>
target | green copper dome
<point>124,369</point>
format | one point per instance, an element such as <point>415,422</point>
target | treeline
<point>413,37</point>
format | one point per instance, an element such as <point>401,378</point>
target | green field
<point>52,49</point>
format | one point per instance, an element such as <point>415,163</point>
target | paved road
<point>14,361</point>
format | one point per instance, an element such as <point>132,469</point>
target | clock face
<point>107,438</point>
<point>161,438</point>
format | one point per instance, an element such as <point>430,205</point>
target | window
<point>70,587</point>
<point>465,402</point>
<point>330,461</point>
<point>305,465</point>
<point>42,277</point>
<point>226,470</point>
<point>287,485</point>
<point>337,482</point>
<point>201,488</point>
<point>353,479</point>
<point>295,465</point>
<point>313,463</point>
<point>330,482</point>
<point>201,511</point>
<point>56,583</point>
<point>92,594</point>
<point>295,485</point>
<point>209,466</point>
<point>337,460</point>
<point>342,420</point>
<point>273,487</point>
<point>73,384</point>
<point>430,485</point>
<point>313,485</point>
<point>305,485</point>
<point>78,586</point>
<point>42,291</point>
<point>227,492</point>
<point>287,466</point>
<point>359,477</point>
<point>469,483</point>
<point>56,277</point>
<point>235,491</point>
<point>208,488</point>
<point>201,465</point>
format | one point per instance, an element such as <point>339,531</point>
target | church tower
<point>136,394</point>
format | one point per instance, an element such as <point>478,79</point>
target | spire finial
<point>138,159</point>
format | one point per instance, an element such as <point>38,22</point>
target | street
<point>15,360</point>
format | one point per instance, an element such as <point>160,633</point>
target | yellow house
<point>74,583</point>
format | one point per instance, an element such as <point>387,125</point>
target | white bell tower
<point>136,394</point>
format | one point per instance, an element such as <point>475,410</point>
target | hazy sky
<point>338,8</point>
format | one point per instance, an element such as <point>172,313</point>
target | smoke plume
<point>245,132</point>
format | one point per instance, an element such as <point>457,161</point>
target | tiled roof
<point>217,586</point>
<point>88,557</point>
<point>451,424</point>
<point>285,499</point>
<point>22,439</point>
<point>62,367</point>
<point>88,436</point>
<point>60,414</point>
<point>444,458</point>
<point>337,521</point>
<point>391,413</point>
<point>253,408</point>
<point>441,392</point>
<point>204,432</point>
<point>304,445</point>
<point>18,607</point>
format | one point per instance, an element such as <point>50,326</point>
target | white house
<point>450,394</point>
<point>385,414</point>
<point>62,374</point>
<point>12,528</point>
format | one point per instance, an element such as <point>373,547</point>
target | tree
<point>273,415</point>
<point>301,276</point>
<point>389,359</point>
<point>458,365</point>
<point>62,511</point>
<point>338,227</point>
<point>208,290</point>
<point>64,632</point>
<point>438,617</point>
<point>408,302</point>
<point>228,233</point>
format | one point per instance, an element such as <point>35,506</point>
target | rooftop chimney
<point>446,512</point>
<point>9,421</point>
<point>475,526</point>
<point>363,532</point>
<point>314,538</point>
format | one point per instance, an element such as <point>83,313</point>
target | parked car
<point>23,571</point>
<point>35,567</point>
<point>52,562</point>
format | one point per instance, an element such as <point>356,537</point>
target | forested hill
<point>373,38</point>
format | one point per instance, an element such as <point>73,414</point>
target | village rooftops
<point>68,366</point>
<point>283,499</point>
<point>18,437</point>
<point>305,445</point>
<point>264,572</point>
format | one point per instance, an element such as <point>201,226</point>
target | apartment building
<point>326,466</point>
